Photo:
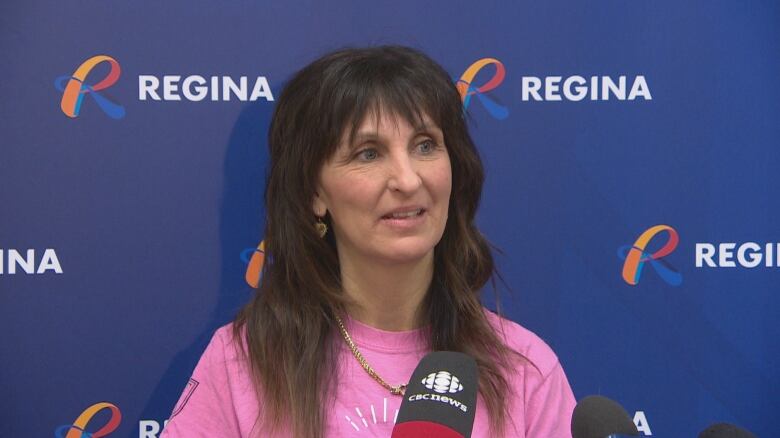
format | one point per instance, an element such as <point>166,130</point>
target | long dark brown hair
<point>289,325</point>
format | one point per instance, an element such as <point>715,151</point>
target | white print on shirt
<point>375,417</point>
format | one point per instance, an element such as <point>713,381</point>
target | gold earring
<point>322,227</point>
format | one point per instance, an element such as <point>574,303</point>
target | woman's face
<point>388,191</point>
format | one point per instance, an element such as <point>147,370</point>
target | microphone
<point>441,399</point>
<point>725,430</point>
<point>598,417</point>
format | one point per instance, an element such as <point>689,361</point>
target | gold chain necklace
<point>395,390</point>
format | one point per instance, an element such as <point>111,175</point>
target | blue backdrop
<point>125,209</point>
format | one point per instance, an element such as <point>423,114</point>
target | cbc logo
<point>442,382</point>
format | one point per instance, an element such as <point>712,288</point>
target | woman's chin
<point>405,255</point>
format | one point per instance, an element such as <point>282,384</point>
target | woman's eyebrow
<point>428,128</point>
<point>353,143</point>
<point>361,137</point>
<point>364,136</point>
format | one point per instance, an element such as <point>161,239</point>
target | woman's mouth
<point>404,215</point>
<point>405,220</point>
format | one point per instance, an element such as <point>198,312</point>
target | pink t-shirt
<point>219,400</point>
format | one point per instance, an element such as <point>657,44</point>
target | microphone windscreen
<point>598,417</point>
<point>441,399</point>
<point>725,430</point>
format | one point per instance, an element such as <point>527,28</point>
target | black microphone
<point>599,417</point>
<point>725,430</point>
<point>441,399</point>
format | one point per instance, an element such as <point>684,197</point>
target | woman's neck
<point>386,296</point>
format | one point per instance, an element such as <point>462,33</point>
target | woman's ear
<point>318,205</point>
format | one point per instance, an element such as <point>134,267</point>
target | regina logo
<point>79,427</point>
<point>547,88</point>
<point>637,254</point>
<point>467,89</point>
<point>74,87</point>
<point>442,382</point>
<point>254,259</point>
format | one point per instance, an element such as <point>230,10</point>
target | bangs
<point>409,105</point>
<point>372,88</point>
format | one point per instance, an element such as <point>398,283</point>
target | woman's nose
<point>404,175</point>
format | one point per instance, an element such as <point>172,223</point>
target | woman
<point>373,260</point>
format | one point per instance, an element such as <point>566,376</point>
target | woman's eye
<point>427,146</point>
<point>367,154</point>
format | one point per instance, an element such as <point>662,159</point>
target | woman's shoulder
<point>525,342</point>
<point>226,333</point>
<point>231,343</point>
<point>219,399</point>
